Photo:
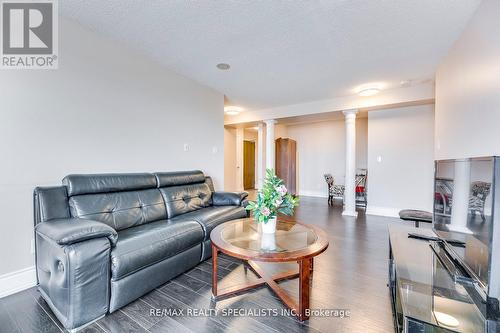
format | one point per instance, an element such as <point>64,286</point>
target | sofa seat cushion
<point>147,244</point>
<point>212,216</point>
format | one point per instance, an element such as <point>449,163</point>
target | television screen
<point>463,210</point>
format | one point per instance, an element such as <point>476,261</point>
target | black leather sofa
<point>104,240</point>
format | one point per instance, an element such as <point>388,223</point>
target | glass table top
<point>290,236</point>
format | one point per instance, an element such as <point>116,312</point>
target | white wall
<point>361,143</point>
<point>403,139</point>
<point>106,109</point>
<point>321,149</point>
<point>468,89</point>
<point>280,131</point>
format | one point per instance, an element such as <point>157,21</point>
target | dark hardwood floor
<point>350,275</point>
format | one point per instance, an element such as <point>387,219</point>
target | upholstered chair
<point>334,191</point>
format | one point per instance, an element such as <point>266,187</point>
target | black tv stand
<point>425,297</point>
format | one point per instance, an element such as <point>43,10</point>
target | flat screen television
<point>465,202</point>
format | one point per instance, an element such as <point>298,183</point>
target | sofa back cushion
<point>118,200</point>
<point>108,182</point>
<point>184,191</point>
<point>120,210</point>
<point>186,198</point>
<point>165,179</point>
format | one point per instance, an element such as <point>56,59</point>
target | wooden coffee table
<point>293,242</point>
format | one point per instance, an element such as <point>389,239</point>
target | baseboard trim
<point>14,282</point>
<point>382,211</point>
<point>350,213</point>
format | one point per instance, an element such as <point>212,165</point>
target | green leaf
<point>267,197</point>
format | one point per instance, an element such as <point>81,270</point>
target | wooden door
<point>286,152</point>
<point>248,164</point>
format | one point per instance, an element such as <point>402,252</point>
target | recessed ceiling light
<point>405,83</point>
<point>223,66</point>
<point>232,110</point>
<point>369,92</point>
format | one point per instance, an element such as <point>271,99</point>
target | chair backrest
<point>329,179</point>
<point>361,180</point>
<point>480,190</point>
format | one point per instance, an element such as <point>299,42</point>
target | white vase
<point>268,241</point>
<point>270,226</point>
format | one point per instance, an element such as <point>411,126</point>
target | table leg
<point>305,267</point>
<point>214,271</point>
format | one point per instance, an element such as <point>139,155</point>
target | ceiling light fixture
<point>405,83</point>
<point>223,66</point>
<point>232,110</point>
<point>369,92</point>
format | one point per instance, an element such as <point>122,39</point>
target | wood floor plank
<point>141,313</point>
<point>7,324</point>
<point>190,282</point>
<point>207,267</point>
<point>229,258</point>
<point>119,322</point>
<point>233,266</point>
<point>159,300</point>
<point>45,306</point>
<point>224,262</point>
<point>27,315</point>
<point>278,323</point>
<point>169,325</point>
<point>196,301</point>
<point>93,328</point>
<point>201,275</point>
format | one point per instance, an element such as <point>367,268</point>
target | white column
<point>461,192</point>
<point>260,155</point>
<point>350,163</point>
<point>270,146</point>
<point>240,133</point>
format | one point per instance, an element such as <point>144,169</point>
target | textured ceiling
<point>284,52</point>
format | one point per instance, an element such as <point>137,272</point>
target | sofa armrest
<point>229,198</point>
<point>73,264</point>
<point>74,230</point>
